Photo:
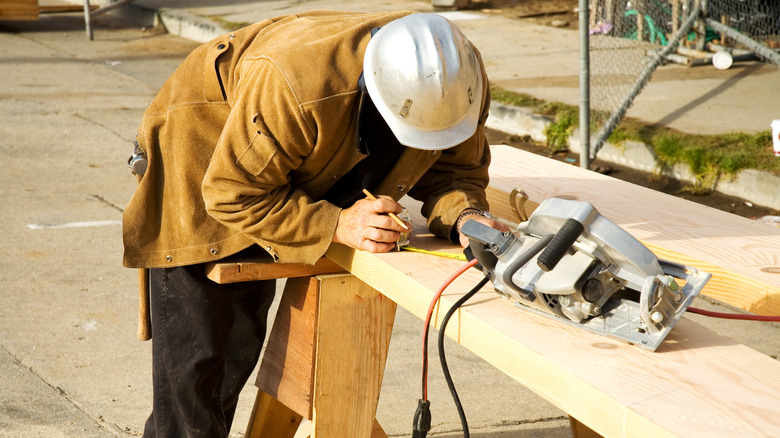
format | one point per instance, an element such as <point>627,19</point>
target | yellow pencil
<point>393,216</point>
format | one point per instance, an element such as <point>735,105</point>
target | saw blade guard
<point>570,262</point>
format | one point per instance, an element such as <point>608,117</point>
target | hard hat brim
<point>416,136</point>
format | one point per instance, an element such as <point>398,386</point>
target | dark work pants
<point>206,340</point>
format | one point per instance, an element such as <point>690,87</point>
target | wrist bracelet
<point>471,212</point>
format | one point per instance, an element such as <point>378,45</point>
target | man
<point>262,142</point>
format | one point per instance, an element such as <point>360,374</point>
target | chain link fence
<point>628,40</point>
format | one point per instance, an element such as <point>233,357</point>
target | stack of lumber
<point>18,9</point>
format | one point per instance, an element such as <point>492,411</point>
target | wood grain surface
<point>742,255</point>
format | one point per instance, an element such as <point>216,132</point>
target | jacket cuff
<point>445,213</point>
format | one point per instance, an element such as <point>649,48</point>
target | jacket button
<point>168,258</point>
<point>401,187</point>
<point>213,251</point>
<point>221,46</point>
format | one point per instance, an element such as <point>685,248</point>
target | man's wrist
<point>469,213</point>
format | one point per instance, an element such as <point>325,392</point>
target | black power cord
<point>524,258</point>
<point>443,359</point>
<point>422,416</point>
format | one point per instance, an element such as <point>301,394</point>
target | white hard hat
<point>424,78</point>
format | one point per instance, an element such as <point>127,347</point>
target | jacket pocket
<point>255,158</point>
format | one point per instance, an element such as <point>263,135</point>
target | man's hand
<point>464,241</point>
<point>367,226</point>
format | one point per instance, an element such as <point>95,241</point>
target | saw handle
<point>560,244</point>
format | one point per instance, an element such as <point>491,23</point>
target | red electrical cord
<point>734,315</point>
<point>435,299</point>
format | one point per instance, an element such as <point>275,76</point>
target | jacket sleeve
<point>457,181</point>
<point>247,185</point>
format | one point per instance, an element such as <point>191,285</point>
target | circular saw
<point>569,262</point>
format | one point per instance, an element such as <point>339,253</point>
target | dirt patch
<point>666,185</point>
<point>557,13</point>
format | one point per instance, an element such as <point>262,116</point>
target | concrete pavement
<point>71,364</point>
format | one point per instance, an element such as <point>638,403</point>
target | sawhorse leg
<point>271,418</point>
<point>325,359</point>
<point>579,430</point>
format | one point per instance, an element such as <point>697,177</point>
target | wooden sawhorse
<point>326,352</point>
<point>325,355</point>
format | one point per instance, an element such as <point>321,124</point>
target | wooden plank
<point>579,430</point>
<point>354,327</point>
<point>742,255</point>
<point>270,418</point>
<point>501,207</point>
<point>18,9</point>
<point>697,383</point>
<point>377,431</point>
<point>306,430</point>
<point>249,269</point>
<point>288,365</point>
<point>286,371</point>
<point>64,7</point>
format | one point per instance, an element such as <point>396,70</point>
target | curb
<point>189,26</point>
<point>176,22</point>
<point>752,185</point>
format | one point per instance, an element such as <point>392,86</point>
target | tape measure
<point>450,255</point>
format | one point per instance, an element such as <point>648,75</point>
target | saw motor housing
<point>570,262</point>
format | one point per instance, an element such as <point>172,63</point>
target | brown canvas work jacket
<point>254,127</point>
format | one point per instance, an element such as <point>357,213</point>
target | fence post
<point>584,85</point>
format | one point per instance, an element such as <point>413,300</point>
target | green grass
<point>565,120</point>
<point>709,157</point>
<point>515,99</point>
<point>229,25</point>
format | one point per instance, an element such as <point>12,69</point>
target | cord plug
<point>422,419</point>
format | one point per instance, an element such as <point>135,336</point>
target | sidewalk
<point>72,366</point>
